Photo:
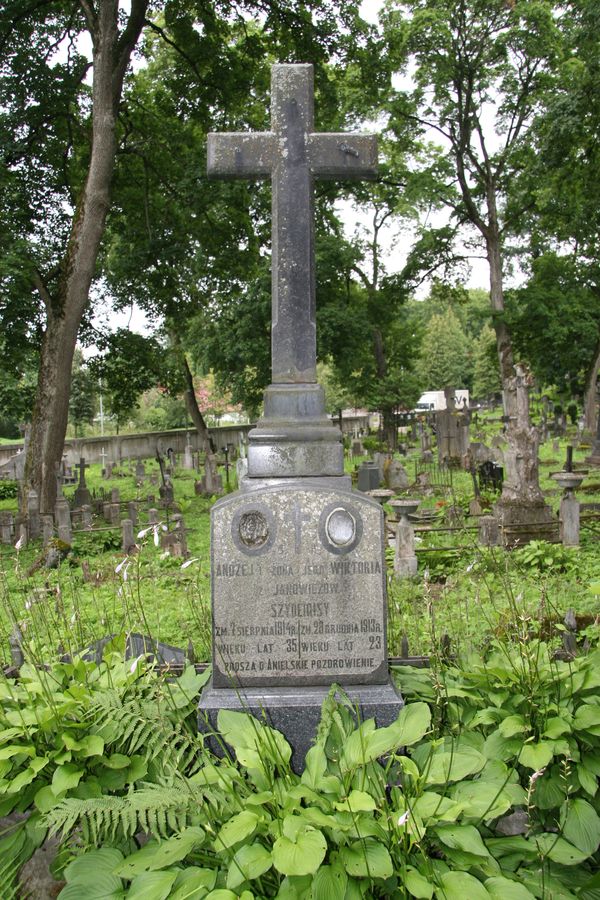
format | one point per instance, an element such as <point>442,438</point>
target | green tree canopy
<point>486,373</point>
<point>445,356</point>
<point>129,364</point>
<point>556,321</point>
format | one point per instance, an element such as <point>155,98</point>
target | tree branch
<point>42,290</point>
<point>367,284</point>
<point>426,124</point>
<point>162,33</point>
<point>90,14</point>
<point>127,41</point>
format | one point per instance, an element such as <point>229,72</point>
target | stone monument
<point>188,461</point>
<point>211,482</point>
<point>82,496</point>
<point>297,557</point>
<point>452,427</point>
<point>521,510</point>
<point>594,457</point>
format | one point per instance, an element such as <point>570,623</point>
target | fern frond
<point>139,725</point>
<point>154,809</point>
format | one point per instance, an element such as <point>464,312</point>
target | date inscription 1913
<point>298,589</point>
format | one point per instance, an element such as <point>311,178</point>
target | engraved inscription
<point>309,607</point>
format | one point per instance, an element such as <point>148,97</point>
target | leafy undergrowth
<point>485,786</point>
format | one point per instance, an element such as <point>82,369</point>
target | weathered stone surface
<point>62,515</point>
<point>211,482</point>
<point>489,531</point>
<point>241,468</point>
<point>298,588</point>
<point>452,426</point>
<point>515,823</point>
<point>127,536</point>
<point>294,438</point>
<point>369,476</point>
<point>569,520</point>
<point>292,155</point>
<point>480,453</point>
<point>33,515</point>
<point>137,645</point>
<point>525,521</point>
<point>405,559</point>
<point>395,475</point>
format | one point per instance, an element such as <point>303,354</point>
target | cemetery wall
<point>144,444</point>
<point>132,446</point>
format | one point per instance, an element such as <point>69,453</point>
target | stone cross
<point>82,466</point>
<point>292,154</point>
<point>59,479</point>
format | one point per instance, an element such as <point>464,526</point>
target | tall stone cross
<point>82,466</point>
<point>292,154</point>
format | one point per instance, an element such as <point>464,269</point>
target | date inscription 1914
<point>298,589</point>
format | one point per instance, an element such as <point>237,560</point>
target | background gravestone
<point>452,427</point>
<point>82,496</point>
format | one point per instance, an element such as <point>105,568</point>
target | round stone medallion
<point>253,529</point>
<point>340,528</point>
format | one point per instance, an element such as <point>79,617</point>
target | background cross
<point>82,466</point>
<point>292,154</point>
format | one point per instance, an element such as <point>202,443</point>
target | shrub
<point>8,489</point>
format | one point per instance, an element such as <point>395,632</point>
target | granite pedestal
<point>296,711</point>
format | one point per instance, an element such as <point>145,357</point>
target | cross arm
<point>240,155</point>
<point>343,155</point>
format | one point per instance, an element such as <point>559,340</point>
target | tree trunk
<point>66,306</point>
<point>590,399</point>
<point>389,419</point>
<point>50,414</point>
<point>390,432</point>
<point>193,408</point>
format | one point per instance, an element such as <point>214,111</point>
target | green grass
<point>468,595</point>
<point>152,594</point>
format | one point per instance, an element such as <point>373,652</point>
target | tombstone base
<point>296,711</point>
<point>569,520</point>
<point>295,437</point>
<point>333,482</point>
<point>406,566</point>
<point>82,497</point>
<point>522,522</point>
